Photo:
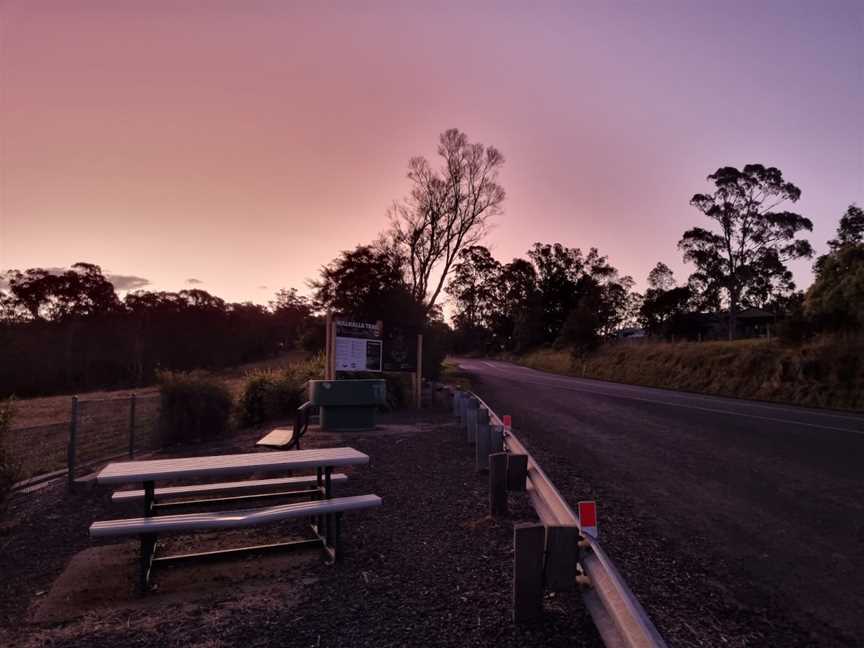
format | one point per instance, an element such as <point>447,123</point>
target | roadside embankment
<point>826,372</point>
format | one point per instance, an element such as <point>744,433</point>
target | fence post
<point>527,572</point>
<point>70,449</point>
<point>132,400</point>
<point>498,484</point>
<point>472,407</point>
<point>481,457</point>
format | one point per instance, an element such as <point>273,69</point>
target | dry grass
<point>827,372</point>
<point>48,410</point>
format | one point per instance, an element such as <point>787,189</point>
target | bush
<point>7,468</point>
<point>270,394</point>
<point>194,406</point>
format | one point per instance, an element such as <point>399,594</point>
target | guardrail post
<point>71,448</point>
<point>498,484</point>
<point>472,407</point>
<point>517,472</point>
<point>562,547</point>
<point>481,454</point>
<point>527,572</point>
<point>463,409</point>
<point>496,438</point>
<point>132,400</point>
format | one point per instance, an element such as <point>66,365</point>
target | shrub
<point>270,394</point>
<point>194,406</point>
<point>7,468</point>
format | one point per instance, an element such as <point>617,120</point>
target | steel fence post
<point>132,400</point>
<point>70,449</point>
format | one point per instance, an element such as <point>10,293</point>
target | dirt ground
<point>429,568</point>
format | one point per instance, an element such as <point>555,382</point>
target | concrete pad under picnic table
<point>104,579</point>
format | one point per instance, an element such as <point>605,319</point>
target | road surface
<point>766,499</point>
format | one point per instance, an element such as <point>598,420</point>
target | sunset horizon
<point>134,139</point>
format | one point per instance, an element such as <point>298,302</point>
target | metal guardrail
<point>619,617</point>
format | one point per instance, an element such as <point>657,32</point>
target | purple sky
<point>242,145</point>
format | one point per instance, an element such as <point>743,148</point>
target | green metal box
<point>347,404</point>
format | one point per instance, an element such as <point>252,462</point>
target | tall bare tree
<point>446,211</point>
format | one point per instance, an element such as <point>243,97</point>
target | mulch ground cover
<point>429,568</point>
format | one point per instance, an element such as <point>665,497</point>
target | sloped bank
<point>826,372</point>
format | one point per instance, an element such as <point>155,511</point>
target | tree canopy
<point>745,256</point>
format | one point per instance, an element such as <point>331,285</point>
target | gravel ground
<point>430,568</point>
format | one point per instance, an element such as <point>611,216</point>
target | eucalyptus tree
<point>752,239</point>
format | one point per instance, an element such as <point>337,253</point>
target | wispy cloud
<point>192,281</point>
<point>127,282</point>
<point>262,287</point>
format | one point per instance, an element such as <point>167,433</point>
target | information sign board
<point>358,346</point>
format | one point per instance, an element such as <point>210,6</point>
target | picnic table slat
<point>233,464</point>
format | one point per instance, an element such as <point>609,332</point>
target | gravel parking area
<point>430,568</point>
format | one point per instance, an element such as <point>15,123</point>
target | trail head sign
<point>358,346</point>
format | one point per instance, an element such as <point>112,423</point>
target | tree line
<point>562,296</point>
<point>70,330</point>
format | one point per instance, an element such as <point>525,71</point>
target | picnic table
<point>325,510</point>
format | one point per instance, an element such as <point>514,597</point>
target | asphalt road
<point>767,499</point>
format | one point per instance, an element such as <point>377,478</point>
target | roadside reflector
<point>588,518</point>
<point>508,423</point>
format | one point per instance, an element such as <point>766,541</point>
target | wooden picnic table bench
<point>326,510</point>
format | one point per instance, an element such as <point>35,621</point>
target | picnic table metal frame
<point>327,528</point>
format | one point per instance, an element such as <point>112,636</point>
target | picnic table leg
<point>149,498</point>
<point>328,519</point>
<point>318,519</point>
<point>148,540</point>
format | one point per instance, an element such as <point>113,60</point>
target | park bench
<point>326,511</point>
<point>283,437</point>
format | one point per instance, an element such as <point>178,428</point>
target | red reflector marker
<point>508,423</point>
<point>588,518</point>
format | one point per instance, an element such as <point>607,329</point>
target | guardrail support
<point>562,550</point>
<point>527,572</point>
<point>498,484</point>
<point>517,472</point>
<point>471,409</point>
<point>496,438</point>
<point>482,452</point>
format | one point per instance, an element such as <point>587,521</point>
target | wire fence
<point>95,431</point>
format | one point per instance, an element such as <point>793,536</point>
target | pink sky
<point>243,144</point>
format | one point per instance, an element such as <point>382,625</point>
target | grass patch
<point>826,372</point>
<point>8,470</point>
<point>451,374</point>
